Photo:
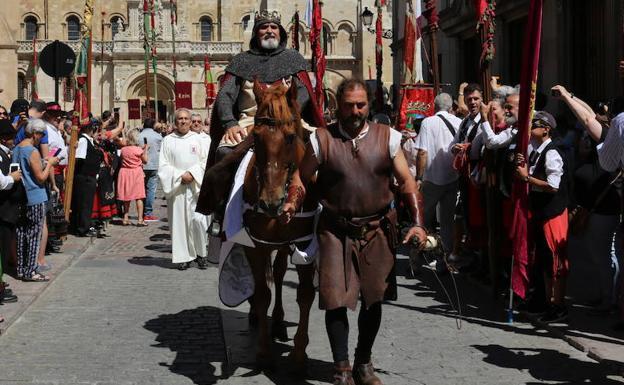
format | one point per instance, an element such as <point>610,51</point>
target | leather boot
<point>364,374</point>
<point>342,373</point>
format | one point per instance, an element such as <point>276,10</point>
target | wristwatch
<point>526,179</point>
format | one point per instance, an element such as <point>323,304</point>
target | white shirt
<point>81,150</point>
<point>611,151</point>
<point>495,141</point>
<point>553,164</point>
<point>435,138</point>
<point>55,140</point>
<point>394,143</point>
<point>471,124</point>
<point>6,181</point>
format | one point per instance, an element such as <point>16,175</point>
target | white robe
<point>178,155</point>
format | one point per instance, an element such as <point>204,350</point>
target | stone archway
<point>137,88</point>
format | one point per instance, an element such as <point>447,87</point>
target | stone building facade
<point>219,29</point>
<point>581,45</point>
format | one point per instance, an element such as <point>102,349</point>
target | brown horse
<point>278,150</point>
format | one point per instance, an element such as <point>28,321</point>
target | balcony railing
<point>216,48</point>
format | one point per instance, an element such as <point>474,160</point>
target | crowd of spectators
<point>464,160</point>
<point>114,166</point>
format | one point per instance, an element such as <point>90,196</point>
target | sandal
<point>141,224</point>
<point>36,278</point>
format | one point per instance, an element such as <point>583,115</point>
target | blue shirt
<point>35,192</point>
<point>154,141</point>
<point>21,135</point>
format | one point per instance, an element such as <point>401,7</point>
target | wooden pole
<point>434,59</point>
<point>102,66</point>
<point>146,47</point>
<point>89,65</point>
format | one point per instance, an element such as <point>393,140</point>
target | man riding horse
<point>269,62</point>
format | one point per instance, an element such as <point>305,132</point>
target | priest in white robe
<point>181,171</point>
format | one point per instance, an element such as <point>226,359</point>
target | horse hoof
<point>279,332</point>
<point>298,363</point>
<point>265,363</point>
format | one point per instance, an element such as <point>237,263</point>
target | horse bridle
<point>272,123</point>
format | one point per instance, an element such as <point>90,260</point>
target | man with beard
<point>504,138</point>
<point>354,161</point>
<point>270,63</point>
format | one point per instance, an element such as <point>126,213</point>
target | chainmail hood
<point>268,66</point>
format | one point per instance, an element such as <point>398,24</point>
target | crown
<point>268,16</point>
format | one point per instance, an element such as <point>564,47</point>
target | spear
<point>154,59</point>
<point>146,27</point>
<point>174,22</point>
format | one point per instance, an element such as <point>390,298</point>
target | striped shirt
<point>611,151</point>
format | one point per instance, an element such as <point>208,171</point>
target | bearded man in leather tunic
<point>354,162</point>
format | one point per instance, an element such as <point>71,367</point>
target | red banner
<point>134,109</point>
<point>480,7</point>
<point>416,103</point>
<point>184,95</point>
<point>520,196</point>
<point>318,55</point>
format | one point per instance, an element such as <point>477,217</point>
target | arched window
<point>30,27</point>
<point>73,28</point>
<point>326,37</point>
<point>245,22</point>
<point>206,28</point>
<point>21,85</point>
<point>116,23</point>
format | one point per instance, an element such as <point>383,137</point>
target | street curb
<point>592,353</point>
<point>83,245</point>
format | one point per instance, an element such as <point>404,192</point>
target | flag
<point>211,94</point>
<point>520,195</point>
<point>416,103</point>
<point>379,59</point>
<point>480,7</point>
<point>412,60</point>
<point>318,55</point>
<point>307,17</point>
<point>486,23</point>
<point>81,106</point>
<point>184,95</point>
<point>295,31</point>
<point>35,68</point>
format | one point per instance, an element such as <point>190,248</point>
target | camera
<point>14,167</point>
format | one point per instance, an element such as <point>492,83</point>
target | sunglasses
<point>196,121</point>
<point>4,113</point>
<point>538,124</point>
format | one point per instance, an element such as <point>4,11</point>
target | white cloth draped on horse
<point>235,278</point>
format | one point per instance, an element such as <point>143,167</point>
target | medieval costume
<point>180,154</point>
<point>236,104</point>
<point>357,232</point>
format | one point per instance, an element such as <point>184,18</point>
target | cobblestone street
<point>122,314</point>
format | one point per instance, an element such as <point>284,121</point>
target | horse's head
<point>278,146</point>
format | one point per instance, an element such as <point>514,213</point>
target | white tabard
<point>178,155</point>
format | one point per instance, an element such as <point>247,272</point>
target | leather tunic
<point>355,179</point>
